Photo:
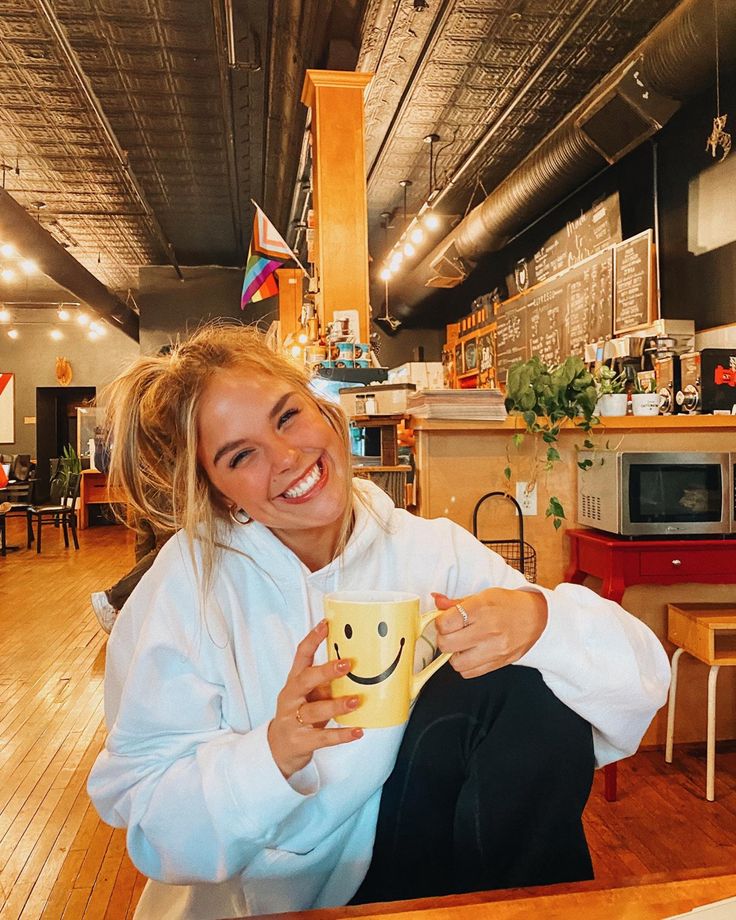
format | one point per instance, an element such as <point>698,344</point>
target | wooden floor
<point>57,859</point>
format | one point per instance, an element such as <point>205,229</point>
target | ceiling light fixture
<point>62,313</point>
<point>56,334</point>
<point>12,333</point>
<point>7,274</point>
<point>5,315</point>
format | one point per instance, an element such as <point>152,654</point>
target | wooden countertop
<point>620,424</point>
<point>652,897</point>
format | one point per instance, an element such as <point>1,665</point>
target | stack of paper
<point>457,404</point>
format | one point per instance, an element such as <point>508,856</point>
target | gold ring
<point>299,715</point>
<point>464,614</point>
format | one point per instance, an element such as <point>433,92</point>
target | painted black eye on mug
<point>382,629</point>
<point>348,631</point>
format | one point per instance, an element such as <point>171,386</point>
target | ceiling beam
<point>34,242</point>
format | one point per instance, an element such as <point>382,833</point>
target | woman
<point>238,792</point>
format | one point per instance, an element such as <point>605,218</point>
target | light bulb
<point>396,260</point>
<point>385,274</point>
<point>62,314</point>
<point>295,351</point>
<point>12,333</point>
<point>92,335</point>
<point>409,250</point>
<point>302,339</point>
<point>7,250</point>
<point>4,315</point>
<point>417,235</point>
<point>56,334</point>
<point>431,221</point>
<point>7,274</point>
<point>82,319</point>
<point>29,266</point>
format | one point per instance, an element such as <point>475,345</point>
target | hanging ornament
<point>719,137</point>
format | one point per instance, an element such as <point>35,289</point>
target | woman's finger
<point>320,712</point>
<point>452,620</point>
<point>311,678</point>
<point>307,648</point>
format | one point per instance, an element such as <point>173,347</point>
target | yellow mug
<point>378,631</point>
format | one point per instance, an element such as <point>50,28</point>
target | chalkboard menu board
<point>589,302</point>
<point>633,302</point>
<point>559,317</point>
<point>546,321</point>
<point>511,343</point>
<point>593,231</point>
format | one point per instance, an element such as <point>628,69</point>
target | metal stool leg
<point>710,793</point>
<point>671,706</point>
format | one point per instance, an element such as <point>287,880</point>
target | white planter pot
<point>611,404</point>
<point>645,403</point>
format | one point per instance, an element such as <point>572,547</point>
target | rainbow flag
<point>266,253</point>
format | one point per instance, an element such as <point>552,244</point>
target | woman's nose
<point>284,456</point>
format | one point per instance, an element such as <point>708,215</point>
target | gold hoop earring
<point>239,516</point>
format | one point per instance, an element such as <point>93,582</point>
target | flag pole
<point>293,254</point>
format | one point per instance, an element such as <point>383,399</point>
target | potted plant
<point>69,465</point>
<point>611,388</point>
<point>544,397</point>
<point>645,400</point>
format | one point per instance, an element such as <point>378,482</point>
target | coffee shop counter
<point>459,461</point>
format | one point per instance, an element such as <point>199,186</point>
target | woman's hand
<point>305,705</point>
<point>502,626</point>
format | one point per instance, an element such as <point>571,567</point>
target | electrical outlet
<point>527,498</point>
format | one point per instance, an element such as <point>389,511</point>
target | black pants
<point>487,792</point>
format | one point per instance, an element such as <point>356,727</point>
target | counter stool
<point>708,633</point>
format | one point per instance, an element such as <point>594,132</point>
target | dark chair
<point>20,496</point>
<point>64,513</point>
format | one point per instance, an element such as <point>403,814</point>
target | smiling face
<point>268,449</point>
<point>382,630</point>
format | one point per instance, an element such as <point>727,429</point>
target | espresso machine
<point>627,356</point>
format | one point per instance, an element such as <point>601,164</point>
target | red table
<point>620,562</point>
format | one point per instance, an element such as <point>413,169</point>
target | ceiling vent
<point>448,269</point>
<point>626,114</point>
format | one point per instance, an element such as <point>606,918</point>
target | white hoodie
<point>188,697</point>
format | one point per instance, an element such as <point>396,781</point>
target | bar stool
<point>708,633</point>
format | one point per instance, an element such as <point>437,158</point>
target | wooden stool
<point>708,633</point>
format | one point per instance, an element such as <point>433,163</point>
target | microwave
<point>667,494</point>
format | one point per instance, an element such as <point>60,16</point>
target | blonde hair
<point>152,412</point>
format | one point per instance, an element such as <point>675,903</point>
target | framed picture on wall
<point>7,408</point>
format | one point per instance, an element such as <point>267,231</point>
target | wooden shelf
<point>621,424</point>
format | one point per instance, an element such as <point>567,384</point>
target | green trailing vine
<point>546,397</point>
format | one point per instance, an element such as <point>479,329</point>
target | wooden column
<point>339,192</point>
<point>290,300</point>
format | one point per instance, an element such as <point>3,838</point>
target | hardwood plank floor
<point>58,860</point>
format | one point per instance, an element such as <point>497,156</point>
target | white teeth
<point>307,483</point>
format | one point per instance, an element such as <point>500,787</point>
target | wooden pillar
<point>339,192</point>
<point>290,300</point>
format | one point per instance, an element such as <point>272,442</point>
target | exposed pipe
<point>676,61</point>
<point>33,240</point>
<point>95,105</point>
<point>225,39</point>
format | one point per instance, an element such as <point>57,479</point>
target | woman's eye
<point>238,458</point>
<point>287,415</point>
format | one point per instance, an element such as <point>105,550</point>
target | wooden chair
<point>64,513</point>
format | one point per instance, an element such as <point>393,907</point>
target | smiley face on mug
<point>373,651</point>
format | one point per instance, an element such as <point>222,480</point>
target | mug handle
<point>420,679</point>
